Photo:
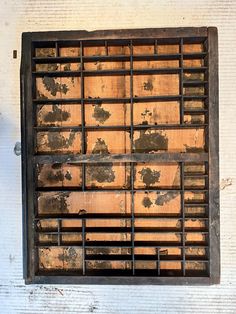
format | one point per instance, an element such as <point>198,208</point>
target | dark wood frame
<point>28,158</point>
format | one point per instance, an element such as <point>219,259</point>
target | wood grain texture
<point>15,297</point>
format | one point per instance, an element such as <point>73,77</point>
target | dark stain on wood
<point>194,76</point>
<point>67,67</point>
<point>68,175</point>
<point>58,141</point>
<point>145,114</point>
<point>190,149</point>
<point>149,176</point>
<point>54,177</point>
<point>69,256</point>
<point>195,119</point>
<point>100,114</point>
<point>55,203</point>
<point>163,198</point>
<point>45,52</point>
<point>47,67</point>
<point>148,142</point>
<point>56,166</point>
<point>148,85</point>
<point>54,87</point>
<point>100,147</point>
<point>147,202</point>
<point>40,95</point>
<point>190,91</point>
<point>56,115</point>
<point>163,252</point>
<point>101,173</point>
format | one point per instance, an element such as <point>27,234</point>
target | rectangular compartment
<point>59,175</point>
<point>117,86</point>
<point>177,140</point>
<point>155,85</point>
<point>155,113</point>
<point>48,87</point>
<point>58,142</point>
<point>59,115</point>
<point>111,142</point>
<point>101,114</point>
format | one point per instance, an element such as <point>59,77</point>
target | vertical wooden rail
<point>83,142</point>
<point>214,211</point>
<point>59,232</point>
<point>83,246</point>
<point>131,149</point>
<point>181,83</point>
<point>83,137</point>
<point>183,215</point>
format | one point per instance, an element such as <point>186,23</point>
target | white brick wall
<point>17,16</point>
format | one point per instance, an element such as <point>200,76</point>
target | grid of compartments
<point>121,98</point>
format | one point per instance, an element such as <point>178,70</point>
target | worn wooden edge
<point>23,163</point>
<point>27,155</point>
<point>138,157</point>
<point>27,152</point>
<point>120,280</point>
<point>121,34</point>
<point>214,202</point>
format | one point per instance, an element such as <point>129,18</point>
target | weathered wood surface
<point>18,298</point>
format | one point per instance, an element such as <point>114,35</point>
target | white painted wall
<point>35,15</point>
